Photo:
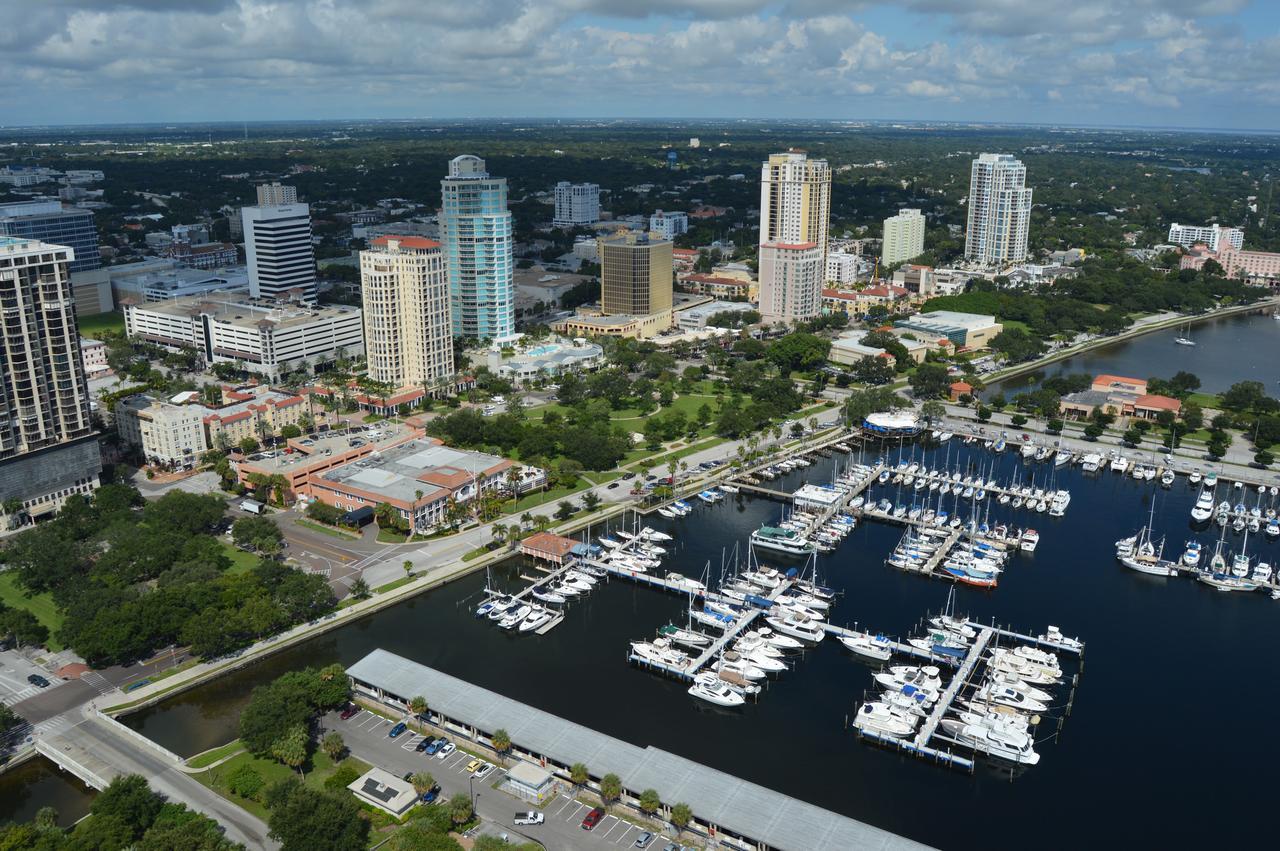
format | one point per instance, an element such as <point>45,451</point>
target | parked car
<point>350,712</point>
<point>37,680</point>
<point>644,840</point>
<point>431,794</point>
<point>473,765</point>
<point>484,769</point>
<point>628,476</point>
<point>592,819</point>
<point>435,746</point>
<point>445,750</point>
<point>531,817</point>
<point>612,485</point>
<point>423,744</point>
<point>671,846</point>
<point>399,728</point>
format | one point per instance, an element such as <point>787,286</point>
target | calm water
<point>1235,348</point>
<point>38,783</point>
<point>1147,731</point>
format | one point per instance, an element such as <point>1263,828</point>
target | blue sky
<point>1190,63</point>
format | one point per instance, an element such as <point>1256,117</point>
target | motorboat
<point>926,678</point>
<point>713,619</point>
<point>660,652</point>
<point>958,626</point>
<point>566,590</point>
<point>1003,679</point>
<point>884,720</point>
<point>1119,464</point>
<point>1062,457</point>
<point>688,638</point>
<point>1191,555</point>
<point>754,646</point>
<point>764,577</point>
<point>797,626</point>
<point>781,540</point>
<point>547,596</point>
<point>1166,478</point>
<point>539,618</point>
<point>1030,538</point>
<point>667,513</point>
<point>1015,721</point>
<point>1032,673</point>
<point>814,589</point>
<point>487,607</point>
<point>875,647</point>
<point>513,618</point>
<point>717,693</point>
<point>728,488</point>
<point>685,582</point>
<point>1053,635</point>
<point>734,663</point>
<point>999,742</point>
<point>776,639</point>
<point>1195,477</point>
<point>1203,509</point>
<point>992,693</point>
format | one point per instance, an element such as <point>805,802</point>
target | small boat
<point>797,626</point>
<point>685,582</point>
<point>513,619</point>
<point>539,618</point>
<point>880,718</point>
<point>782,642</point>
<point>1166,478</point>
<point>1191,556</point>
<point>1184,341</point>
<point>688,638</point>
<point>1027,543</point>
<point>993,693</point>
<point>999,742</point>
<point>547,596</point>
<point>667,513</point>
<point>728,488</point>
<point>926,678</point>
<point>1195,477</point>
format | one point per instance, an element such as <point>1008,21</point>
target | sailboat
<point>1142,554</point>
<point>1184,339</point>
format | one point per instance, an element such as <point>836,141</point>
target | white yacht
<point>926,678</point>
<point>1191,555</point>
<point>660,652</point>
<point>882,719</point>
<point>1001,679</point>
<point>782,642</point>
<point>993,693</point>
<point>1119,464</point>
<point>1203,509</point>
<point>865,644</point>
<point>688,638</point>
<point>781,540</point>
<point>1054,635</point>
<point>999,742</point>
<point>797,626</point>
<point>539,618</point>
<point>685,582</point>
<point>717,693</point>
<point>513,618</point>
<point>733,663</point>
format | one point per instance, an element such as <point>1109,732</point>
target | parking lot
<point>366,736</point>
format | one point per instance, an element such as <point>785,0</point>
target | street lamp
<point>471,784</point>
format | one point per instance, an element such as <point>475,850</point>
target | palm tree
<point>499,533</point>
<point>333,745</point>
<point>526,519</point>
<point>418,706</point>
<point>422,782</point>
<point>649,801</point>
<point>578,774</point>
<point>681,815</point>
<point>413,515</point>
<point>408,568</point>
<point>501,741</point>
<point>610,788</point>
<point>360,589</point>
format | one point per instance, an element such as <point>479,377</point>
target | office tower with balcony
<point>999,211</point>
<point>407,337</point>
<point>476,228</point>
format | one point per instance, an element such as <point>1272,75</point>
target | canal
<point>1227,350</point>
<point>37,783</point>
<point>1173,703</point>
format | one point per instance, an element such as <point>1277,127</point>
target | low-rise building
<point>1119,396</point>
<point>695,318</point>
<point>857,302</point>
<point>546,361</point>
<point>591,323</point>
<point>419,478</point>
<point>718,287</point>
<point>966,330</point>
<point>166,434</point>
<point>213,255</point>
<point>848,349</point>
<point>1260,266</point>
<point>669,224</point>
<point>157,283</point>
<point>263,336</point>
<point>384,790</point>
<point>94,353</point>
<point>683,259</point>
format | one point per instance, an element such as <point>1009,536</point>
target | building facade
<point>965,330</point>
<point>669,225</point>
<point>903,237</point>
<point>790,281</point>
<point>999,210</point>
<point>842,267</point>
<point>48,222</point>
<point>636,274</point>
<point>407,336</point>
<point>279,251</point>
<point>1214,236</point>
<point>275,193</point>
<point>264,337</point>
<point>165,434</point>
<point>476,226</point>
<point>577,204</point>
<point>795,200</point>
<point>47,446</point>
<point>1261,266</point>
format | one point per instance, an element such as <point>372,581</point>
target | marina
<point>579,671</point>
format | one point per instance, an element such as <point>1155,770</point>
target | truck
<point>252,506</point>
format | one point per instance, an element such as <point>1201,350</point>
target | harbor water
<point>1226,350</point>
<point>1175,697</point>
<point>37,783</point>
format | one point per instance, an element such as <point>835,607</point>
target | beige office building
<point>795,200</point>
<point>636,274</point>
<point>790,281</point>
<point>407,328</point>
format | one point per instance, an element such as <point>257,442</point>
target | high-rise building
<point>47,221</point>
<point>47,447</point>
<point>279,252</point>
<point>1214,236</point>
<point>476,226</point>
<point>999,210</point>
<point>795,200</point>
<point>791,276</point>
<point>636,274</point>
<point>668,224</point>
<point>272,194</point>
<point>407,336</point>
<point>576,204</point>
<point>903,237</point>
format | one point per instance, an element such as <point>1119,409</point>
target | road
<point>366,738</point>
<point>96,744</point>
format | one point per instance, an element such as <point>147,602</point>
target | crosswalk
<point>23,693</point>
<point>53,726</point>
<point>97,682</point>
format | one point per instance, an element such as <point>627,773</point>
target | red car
<point>592,819</point>
<point>351,711</point>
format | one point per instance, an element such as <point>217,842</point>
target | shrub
<point>246,782</point>
<point>345,775</point>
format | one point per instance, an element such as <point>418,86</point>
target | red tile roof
<point>1157,402</point>
<point>407,241</point>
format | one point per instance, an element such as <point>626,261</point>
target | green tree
<point>610,788</point>
<point>291,748</point>
<point>333,745</point>
<point>422,782</point>
<point>418,706</point>
<point>1018,420</point>
<point>933,411</point>
<point>306,819</point>
<point>248,446</point>
<point>501,741</point>
<point>1264,458</point>
<point>590,501</point>
<point>929,381</point>
<point>650,801</point>
<point>564,510</point>
<point>129,801</point>
<point>578,774</point>
<point>1093,431</point>
<point>460,808</point>
<point>360,589</point>
<point>681,815</point>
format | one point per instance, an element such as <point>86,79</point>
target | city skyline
<point>986,61</point>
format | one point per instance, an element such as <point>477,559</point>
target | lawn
<point>321,768</point>
<point>40,605</point>
<point>1205,400</point>
<point>96,325</point>
<point>211,756</point>
<point>241,561</point>
<point>328,530</point>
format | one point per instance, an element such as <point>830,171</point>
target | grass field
<point>320,769</point>
<point>211,756</point>
<point>241,561</point>
<point>94,326</point>
<point>327,530</point>
<point>40,605</point>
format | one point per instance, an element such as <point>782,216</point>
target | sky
<point>1186,63</point>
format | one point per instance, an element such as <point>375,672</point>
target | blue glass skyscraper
<point>476,227</point>
<point>47,221</point>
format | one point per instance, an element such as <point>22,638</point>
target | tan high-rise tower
<point>795,200</point>
<point>407,337</point>
<point>635,274</point>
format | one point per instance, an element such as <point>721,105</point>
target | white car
<point>483,770</point>
<point>445,751</point>
<point>530,817</point>
<point>498,400</point>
